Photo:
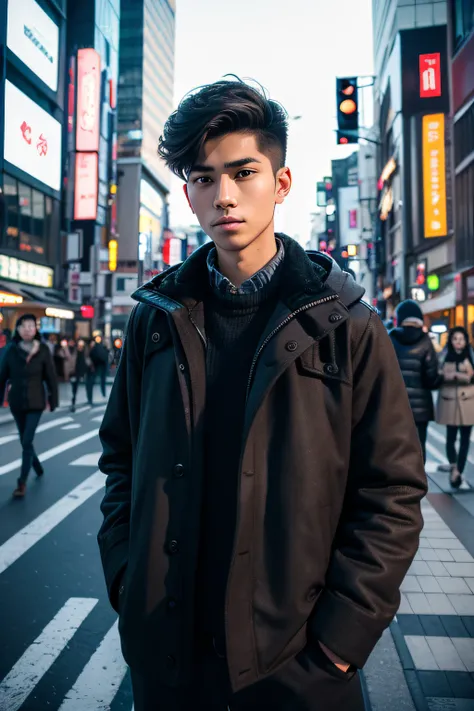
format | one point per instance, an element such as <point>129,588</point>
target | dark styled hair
<point>215,110</point>
<point>465,353</point>
<point>22,319</point>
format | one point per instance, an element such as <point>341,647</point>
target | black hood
<point>408,335</point>
<point>304,275</point>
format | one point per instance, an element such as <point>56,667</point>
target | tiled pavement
<point>434,628</point>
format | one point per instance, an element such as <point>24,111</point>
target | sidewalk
<point>426,661</point>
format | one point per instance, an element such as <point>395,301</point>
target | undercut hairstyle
<point>215,110</point>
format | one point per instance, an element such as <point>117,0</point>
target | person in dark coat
<point>264,475</point>
<point>81,372</point>
<point>99,356</point>
<point>418,363</point>
<point>28,367</point>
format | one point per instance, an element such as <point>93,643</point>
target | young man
<point>264,474</point>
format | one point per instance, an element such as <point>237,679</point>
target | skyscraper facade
<point>145,100</point>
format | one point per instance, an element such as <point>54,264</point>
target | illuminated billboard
<point>434,176</point>
<point>88,100</point>
<point>86,186</point>
<point>32,138</point>
<point>34,38</point>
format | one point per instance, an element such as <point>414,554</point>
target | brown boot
<point>20,490</point>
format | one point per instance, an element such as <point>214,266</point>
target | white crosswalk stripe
<point>100,679</point>
<point>40,656</point>
<point>44,427</point>
<point>33,532</point>
<point>44,456</point>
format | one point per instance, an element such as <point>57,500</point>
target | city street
<point>59,642</point>
<point>60,647</point>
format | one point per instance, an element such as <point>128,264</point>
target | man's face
<point>233,190</point>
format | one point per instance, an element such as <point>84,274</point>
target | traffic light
<point>347,98</point>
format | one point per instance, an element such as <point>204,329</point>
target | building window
<point>463,21</point>
<point>12,231</point>
<point>27,226</point>
<point>120,284</point>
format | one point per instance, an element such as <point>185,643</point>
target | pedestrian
<point>28,368</point>
<point>99,356</point>
<point>264,476</point>
<point>456,402</point>
<point>418,364</point>
<point>81,365</point>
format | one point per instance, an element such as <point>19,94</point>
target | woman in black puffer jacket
<point>418,363</point>
<point>28,367</point>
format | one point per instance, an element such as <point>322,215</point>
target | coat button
<point>334,318</point>
<point>170,661</point>
<point>291,346</point>
<point>156,337</point>
<point>331,369</point>
<point>178,471</point>
<point>312,594</point>
<point>181,367</point>
<point>172,604</point>
<point>121,590</point>
<point>173,547</point>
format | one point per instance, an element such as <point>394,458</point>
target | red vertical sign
<point>430,75</point>
<point>88,100</point>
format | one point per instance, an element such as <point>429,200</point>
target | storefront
<point>28,288</point>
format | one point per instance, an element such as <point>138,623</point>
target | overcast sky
<point>295,49</point>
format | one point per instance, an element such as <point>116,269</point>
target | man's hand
<point>337,661</point>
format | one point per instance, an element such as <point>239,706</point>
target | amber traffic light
<point>347,110</point>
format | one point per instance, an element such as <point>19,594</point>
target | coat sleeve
<point>117,462</point>
<point>431,377</point>
<point>380,524</point>
<point>4,372</point>
<point>49,377</point>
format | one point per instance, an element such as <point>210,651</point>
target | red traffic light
<point>348,90</point>
<point>343,139</point>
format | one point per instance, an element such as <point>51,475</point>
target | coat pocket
<point>318,361</point>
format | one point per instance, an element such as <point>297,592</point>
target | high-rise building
<point>145,100</point>
<point>461,36</point>
<point>32,123</point>
<point>92,48</point>
<point>414,236</point>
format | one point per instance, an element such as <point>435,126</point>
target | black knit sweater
<point>234,326</point>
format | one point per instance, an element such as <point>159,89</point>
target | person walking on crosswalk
<point>28,367</point>
<point>455,407</point>
<point>418,363</point>
<point>81,372</point>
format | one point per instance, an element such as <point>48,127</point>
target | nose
<point>224,197</point>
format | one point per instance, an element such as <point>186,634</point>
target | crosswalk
<point>96,685</point>
<point>103,673</point>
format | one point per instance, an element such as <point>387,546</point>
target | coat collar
<point>306,276</point>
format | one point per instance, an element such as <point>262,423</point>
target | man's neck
<point>240,266</point>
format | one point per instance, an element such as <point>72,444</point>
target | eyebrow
<point>201,168</point>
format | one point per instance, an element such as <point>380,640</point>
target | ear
<point>283,185</point>
<point>185,189</point>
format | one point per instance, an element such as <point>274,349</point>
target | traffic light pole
<point>357,135</point>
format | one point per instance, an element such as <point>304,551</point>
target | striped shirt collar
<point>222,284</point>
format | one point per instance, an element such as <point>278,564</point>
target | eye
<point>245,173</point>
<point>202,180</point>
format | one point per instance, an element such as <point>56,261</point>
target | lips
<point>229,220</point>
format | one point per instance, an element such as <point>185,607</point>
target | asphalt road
<point>59,646</point>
